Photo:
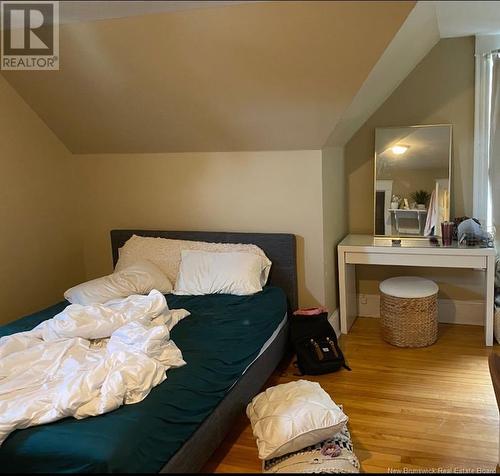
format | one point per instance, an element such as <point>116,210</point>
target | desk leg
<point>347,294</point>
<point>490,300</point>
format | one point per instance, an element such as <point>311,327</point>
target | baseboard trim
<point>334,320</point>
<point>450,311</point>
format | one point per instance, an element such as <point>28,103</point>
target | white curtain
<point>494,159</point>
<point>495,142</point>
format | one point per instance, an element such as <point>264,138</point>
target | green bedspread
<point>218,341</point>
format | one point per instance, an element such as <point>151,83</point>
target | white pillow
<point>202,272</point>
<point>144,276</point>
<point>166,253</point>
<point>139,278</point>
<point>292,416</point>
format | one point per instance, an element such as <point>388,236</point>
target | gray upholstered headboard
<point>280,248</point>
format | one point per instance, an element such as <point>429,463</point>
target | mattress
<point>221,338</point>
<point>269,341</point>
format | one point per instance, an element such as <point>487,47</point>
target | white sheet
<point>86,361</point>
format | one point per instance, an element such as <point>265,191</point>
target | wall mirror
<point>412,180</point>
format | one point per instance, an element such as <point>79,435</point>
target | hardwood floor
<point>408,408</point>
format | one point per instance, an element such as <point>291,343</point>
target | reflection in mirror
<point>412,180</point>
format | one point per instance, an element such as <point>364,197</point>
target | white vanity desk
<point>366,249</point>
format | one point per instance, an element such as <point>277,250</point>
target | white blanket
<point>86,361</point>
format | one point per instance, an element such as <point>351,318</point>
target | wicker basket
<point>496,326</point>
<point>409,322</point>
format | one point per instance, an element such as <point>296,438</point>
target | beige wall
<point>334,218</point>
<point>406,181</point>
<point>40,248</point>
<point>440,90</point>
<point>230,191</point>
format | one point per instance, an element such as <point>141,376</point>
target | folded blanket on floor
<point>332,456</point>
<point>86,361</point>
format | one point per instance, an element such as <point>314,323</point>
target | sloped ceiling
<point>255,76</point>
<point>466,18</point>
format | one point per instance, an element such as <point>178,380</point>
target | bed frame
<point>280,248</point>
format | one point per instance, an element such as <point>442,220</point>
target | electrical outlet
<point>362,299</point>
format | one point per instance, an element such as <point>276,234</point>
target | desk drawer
<point>410,259</point>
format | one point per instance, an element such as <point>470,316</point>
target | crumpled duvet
<point>86,361</point>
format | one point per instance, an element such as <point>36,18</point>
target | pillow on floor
<point>139,278</point>
<point>332,456</point>
<point>292,416</point>
<point>234,273</point>
<point>166,253</point>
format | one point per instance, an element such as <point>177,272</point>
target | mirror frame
<point>450,151</point>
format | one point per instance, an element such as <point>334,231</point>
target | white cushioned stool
<point>408,311</point>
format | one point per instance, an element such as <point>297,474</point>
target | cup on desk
<point>447,232</point>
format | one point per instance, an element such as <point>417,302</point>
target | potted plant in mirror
<point>421,198</point>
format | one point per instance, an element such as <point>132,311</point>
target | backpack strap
<point>339,351</point>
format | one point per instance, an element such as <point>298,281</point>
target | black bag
<point>315,344</point>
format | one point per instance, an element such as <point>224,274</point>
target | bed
<point>231,345</point>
